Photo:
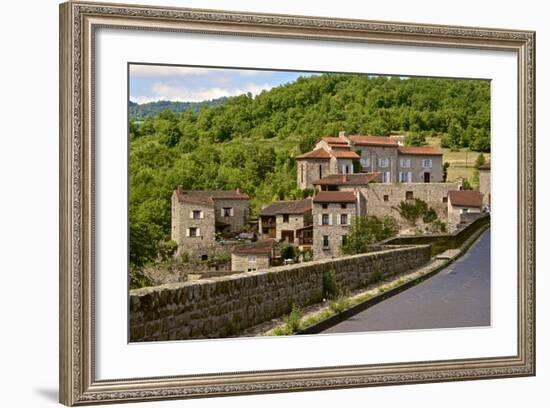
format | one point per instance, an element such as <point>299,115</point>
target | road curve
<point>458,296</point>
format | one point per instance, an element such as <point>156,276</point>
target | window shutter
<point>430,163</point>
<point>202,215</point>
<point>198,232</point>
<point>400,176</point>
<point>338,219</point>
<point>221,211</point>
<point>231,211</point>
<point>191,214</point>
<point>187,233</point>
<point>330,219</point>
<point>409,177</point>
<point>387,177</point>
<point>320,219</point>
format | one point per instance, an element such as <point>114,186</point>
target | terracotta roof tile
<point>287,207</point>
<point>345,154</point>
<point>466,198</point>
<point>318,153</point>
<point>357,179</point>
<point>335,140</point>
<point>373,141</point>
<point>264,247</point>
<point>207,197</point>
<point>334,197</point>
<point>420,150</point>
<point>486,166</point>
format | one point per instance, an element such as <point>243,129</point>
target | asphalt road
<point>458,296</point>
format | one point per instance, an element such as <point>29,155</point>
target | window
<point>444,200</point>
<point>285,217</point>
<point>427,163</point>
<point>344,219</point>
<point>344,240</point>
<point>405,177</point>
<point>325,206</point>
<point>302,173</point>
<point>365,162</point>
<point>227,212</point>
<point>197,214</point>
<point>386,197</point>
<point>320,171</point>
<point>409,195</point>
<point>325,241</point>
<point>252,269</point>
<point>252,258</point>
<point>325,219</point>
<point>463,210</point>
<point>193,232</point>
<point>386,177</point>
<point>204,257</point>
<point>405,163</point>
<point>382,162</point>
<point>343,206</point>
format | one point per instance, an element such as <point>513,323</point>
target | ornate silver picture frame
<point>78,381</point>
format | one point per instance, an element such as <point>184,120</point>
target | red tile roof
<point>486,166</point>
<point>420,150</point>
<point>207,197</point>
<point>335,140</point>
<point>287,207</point>
<point>345,154</point>
<point>466,198</point>
<point>373,141</point>
<point>265,247</point>
<point>357,179</point>
<point>334,197</point>
<point>318,153</point>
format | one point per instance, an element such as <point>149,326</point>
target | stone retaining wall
<point>223,306</point>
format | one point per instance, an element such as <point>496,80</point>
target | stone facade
<point>198,215</point>
<point>332,215</point>
<point>485,184</point>
<point>460,204</point>
<point>223,306</point>
<point>419,168</point>
<point>311,170</point>
<point>379,159</point>
<point>249,262</point>
<point>383,198</point>
<point>282,219</point>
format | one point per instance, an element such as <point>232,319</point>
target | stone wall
<point>295,221</point>
<point>244,262</point>
<point>239,211</point>
<point>335,230</point>
<point>308,171</point>
<point>418,170</point>
<point>485,186</point>
<point>223,306</point>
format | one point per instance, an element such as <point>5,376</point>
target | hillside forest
<point>250,142</point>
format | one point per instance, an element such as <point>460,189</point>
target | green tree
<point>415,139</point>
<point>365,231</point>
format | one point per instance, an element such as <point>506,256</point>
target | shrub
<point>294,319</point>
<point>330,287</point>
<point>340,304</point>
<point>139,279</point>
<point>166,249</point>
<point>365,231</point>
<point>288,251</point>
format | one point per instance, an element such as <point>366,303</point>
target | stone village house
<point>288,221</point>
<point>463,207</point>
<point>197,216</point>
<point>333,212</point>
<point>380,154</point>
<point>254,256</point>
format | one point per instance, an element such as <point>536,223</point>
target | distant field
<point>461,162</point>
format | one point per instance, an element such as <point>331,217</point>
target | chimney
<point>238,190</point>
<point>342,133</point>
<point>180,189</point>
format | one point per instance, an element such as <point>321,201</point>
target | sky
<point>149,83</point>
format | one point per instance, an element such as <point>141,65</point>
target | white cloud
<point>168,70</point>
<point>162,91</point>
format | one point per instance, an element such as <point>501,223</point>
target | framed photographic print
<point>256,203</point>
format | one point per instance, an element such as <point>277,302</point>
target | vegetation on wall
<point>365,231</point>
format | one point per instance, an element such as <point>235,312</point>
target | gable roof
<point>334,197</point>
<point>318,153</point>
<point>420,150</point>
<point>466,198</point>
<point>287,207</point>
<point>345,154</point>
<point>207,197</point>
<point>357,179</point>
<point>265,247</point>
<point>335,140</point>
<point>373,141</point>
